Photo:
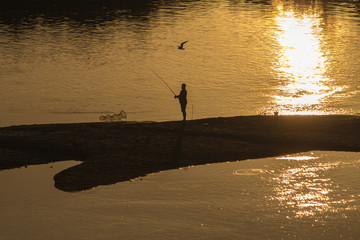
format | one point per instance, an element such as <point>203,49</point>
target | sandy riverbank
<point>113,152</point>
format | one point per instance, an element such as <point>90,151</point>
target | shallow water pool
<point>311,195</point>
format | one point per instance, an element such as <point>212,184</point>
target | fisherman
<point>182,100</point>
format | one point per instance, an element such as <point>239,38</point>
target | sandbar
<point>112,152</point>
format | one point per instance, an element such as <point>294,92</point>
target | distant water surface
<point>63,61</point>
<point>311,195</point>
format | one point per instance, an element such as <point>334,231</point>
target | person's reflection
<point>178,145</point>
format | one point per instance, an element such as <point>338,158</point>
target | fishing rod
<point>161,80</point>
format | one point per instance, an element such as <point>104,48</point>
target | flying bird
<point>182,45</point>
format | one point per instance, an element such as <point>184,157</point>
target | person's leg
<point>184,115</point>
<point>183,110</point>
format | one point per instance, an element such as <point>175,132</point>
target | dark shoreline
<point>120,151</point>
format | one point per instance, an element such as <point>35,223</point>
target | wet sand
<point>120,151</point>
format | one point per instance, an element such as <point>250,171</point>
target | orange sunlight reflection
<point>301,66</point>
<point>305,188</point>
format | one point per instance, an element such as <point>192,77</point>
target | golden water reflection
<point>305,188</point>
<point>301,66</point>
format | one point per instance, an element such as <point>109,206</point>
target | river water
<point>72,61</point>
<point>310,195</point>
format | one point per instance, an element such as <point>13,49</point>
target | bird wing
<point>182,44</point>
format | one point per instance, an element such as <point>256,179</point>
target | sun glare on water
<point>301,66</point>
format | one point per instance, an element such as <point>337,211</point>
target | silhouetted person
<point>182,100</point>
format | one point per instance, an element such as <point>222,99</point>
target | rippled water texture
<point>67,62</point>
<point>311,195</point>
